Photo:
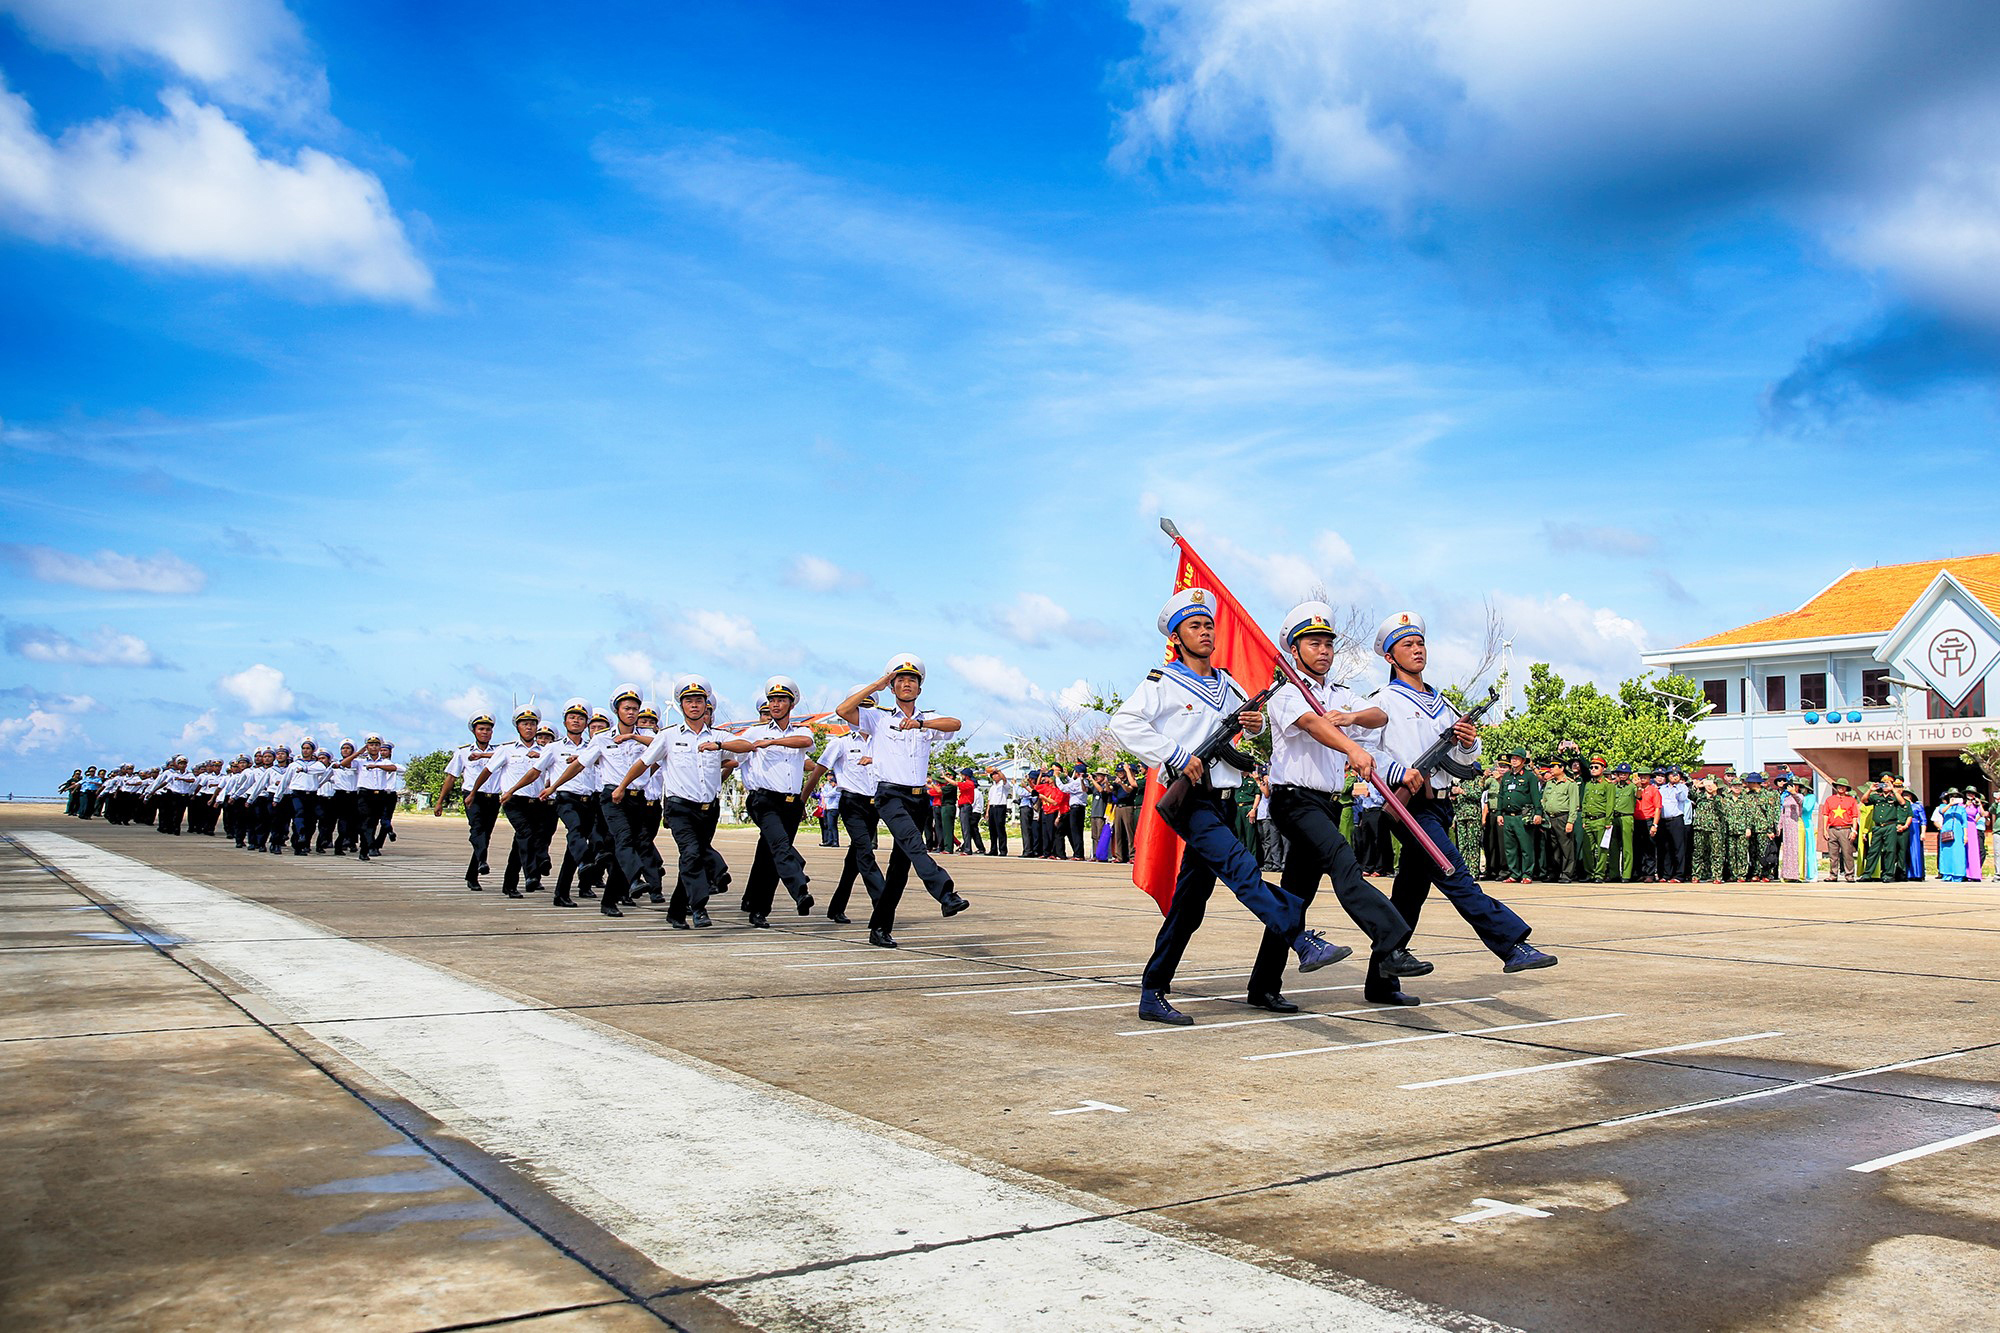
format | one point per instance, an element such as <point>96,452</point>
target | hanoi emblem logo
<point>1952,655</point>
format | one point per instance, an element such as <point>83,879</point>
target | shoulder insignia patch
<point>1155,674</point>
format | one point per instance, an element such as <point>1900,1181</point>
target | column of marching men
<point>313,802</point>
<point>612,780</point>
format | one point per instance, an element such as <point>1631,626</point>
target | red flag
<point>1245,652</point>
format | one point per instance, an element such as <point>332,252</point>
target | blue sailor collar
<point>1431,701</point>
<point>1211,690</point>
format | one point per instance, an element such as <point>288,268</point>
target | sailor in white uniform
<point>1414,717</point>
<point>691,761</point>
<point>482,808</point>
<point>773,773</point>
<point>1165,721</point>
<point>845,759</point>
<point>573,803</point>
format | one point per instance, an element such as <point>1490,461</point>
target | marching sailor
<point>1414,717</point>
<point>1311,755</point>
<point>846,760</point>
<point>482,809</point>
<point>689,758</point>
<point>773,775</point>
<point>1164,721</point>
<point>899,740</point>
<point>518,781</point>
<point>606,758</point>
<point>574,801</point>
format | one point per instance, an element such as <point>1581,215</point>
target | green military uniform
<point>1763,832</point>
<point>1624,822</point>
<point>1705,824</point>
<point>1465,821</point>
<point>1735,831</point>
<point>1559,806</point>
<point>1886,834</point>
<point>1518,798</point>
<point>1595,806</point>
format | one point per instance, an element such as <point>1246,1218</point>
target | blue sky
<point>367,364</point>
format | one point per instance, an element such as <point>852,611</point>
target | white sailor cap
<point>477,718</point>
<point>579,704</point>
<point>1308,618</point>
<point>527,713</point>
<point>692,684</point>
<point>903,664</point>
<point>305,741</point>
<point>1394,629</point>
<point>178,759</point>
<point>1183,604</point>
<point>347,742</point>
<point>784,685</point>
<point>648,713</point>
<point>599,715</point>
<point>624,692</point>
<point>372,738</point>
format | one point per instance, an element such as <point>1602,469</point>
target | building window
<point>1812,690</point>
<point>1717,694</point>
<point>1774,694</point>
<point>1974,705</point>
<point>1875,687</point>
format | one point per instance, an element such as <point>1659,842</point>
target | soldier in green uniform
<point>1761,811</point>
<point>1624,821</point>
<point>1465,819</point>
<point>1594,812</point>
<point>1890,826</point>
<point>1518,798</point>
<point>1735,810</point>
<point>1705,826</point>
<point>1559,805</point>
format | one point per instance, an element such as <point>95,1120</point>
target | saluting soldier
<point>1311,754</point>
<point>482,809</point>
<point>900,738</point>
<point>1705,826</point>
<point>1165,722</point>
<point>1736,818</point>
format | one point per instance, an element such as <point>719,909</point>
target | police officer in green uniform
<point>1518,799</point>
<point>1559,810</point>
<point>1889,828</point>
<point>1594,812</point>
<point>1624,820</point>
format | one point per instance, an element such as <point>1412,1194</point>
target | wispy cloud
<point>107,571</point>
<point>818,574</point>
<point>104,647</point>
<point>1599,539</point>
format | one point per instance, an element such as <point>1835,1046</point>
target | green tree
<point>1634,726</point>
<point>425,774</point>
<point>1985,755</point>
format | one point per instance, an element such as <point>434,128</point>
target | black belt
<point>684,801</point>
<point>780,795</point>
<point>1301,789</point>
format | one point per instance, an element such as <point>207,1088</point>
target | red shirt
<point>967,788</point>
<point>1841,812</point>
<point>1648,802</point>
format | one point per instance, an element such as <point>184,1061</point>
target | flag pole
<point>1390,797</point>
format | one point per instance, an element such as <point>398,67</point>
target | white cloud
<point>725,637</point>
<point>107,571</point>
<point>633,666</point>
<point>260,689</point>
<point>106,647</point>
<point>1077,694</point>
<point>198,728</point>
<point>469,704</point>
<point>818,574</point>
<point>244,52</point>
<point>1035,619</point>
<point>1878,134</point>
<point>39,730</point>
<point>190,188</point>
<point>1579,640</point>
<point>991,676</point>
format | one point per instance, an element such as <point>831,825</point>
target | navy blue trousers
<point>1498,928</point>
<point>1211,850</point>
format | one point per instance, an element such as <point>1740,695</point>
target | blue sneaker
<point>1314,952</point>
<point>1153,1007</point>
<point>1525,957</point>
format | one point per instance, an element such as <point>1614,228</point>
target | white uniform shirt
<point>467,761</point>
<point>776,768</point>
<point>302,775</point>
<point>608,757</point>
<point>687,771</point>
<point>181,784</point>
<point>513,761</point>
<point>373,779</point>
<point>259,781</point>
<point>556,756</point>
<point>345,776</point>
<point>653,782</point>
<point>326,785</point>
<point>999,794</point>
<point>842,758</point>
<point>1416,720</point>
<point>902,758</point>
<point>1299,759</point>
<point>1172,712</point>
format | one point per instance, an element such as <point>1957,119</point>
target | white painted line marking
<point>995,972</point>
<point>1592,1060</point>
<point>1911,1154</point>
<point>1089,1106</point>
<point>970,958</point>
<point>1066,985</point>
<point>1431,1036</point>
<point>1489,1208</point>
<point>943,1245</point>
<point>1157,1031</point>
<point>830,951</point>
<point>1783,1088</point>
<point>933,976</point>
<point>1178,1000</point>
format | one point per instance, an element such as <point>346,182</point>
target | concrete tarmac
<point>252,1090</point>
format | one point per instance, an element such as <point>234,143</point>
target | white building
<point>1885,670</point>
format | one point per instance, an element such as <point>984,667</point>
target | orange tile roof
<point>1866,601</point>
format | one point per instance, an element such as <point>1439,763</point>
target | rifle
<point>1218,744</point>
<point>1438,757</point>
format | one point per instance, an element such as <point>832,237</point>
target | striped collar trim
<point>1432,703</point>
<point>1211,689</point>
